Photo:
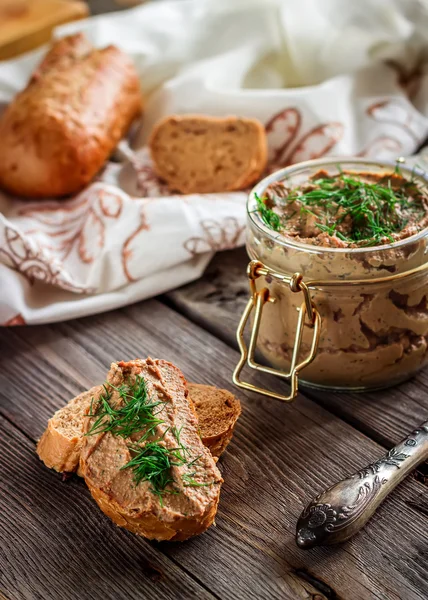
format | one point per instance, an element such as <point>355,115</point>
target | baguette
<point>58,132</point>
<point>200,154</point>
<point>59,447</point>
<point>179,498</point>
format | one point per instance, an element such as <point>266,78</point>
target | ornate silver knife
<point>338,513</point>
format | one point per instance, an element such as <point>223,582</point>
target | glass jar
<point>346,318</point>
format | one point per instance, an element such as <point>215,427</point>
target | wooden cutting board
<point>26,24</point>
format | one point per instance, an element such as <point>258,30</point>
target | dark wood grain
<point>53,544</point>
<point>216,302</point>
<point>281,457</point>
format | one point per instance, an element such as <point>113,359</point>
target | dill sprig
<point>189,481</point>
<point>356,211</point>
<point>269,217</point>
<point>153,463</point>
<point>133,415</point>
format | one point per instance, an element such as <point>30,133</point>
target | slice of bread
<point>217,410</point>
<point>199,154</point>
<point>59,447</point>
<point>158,480</point>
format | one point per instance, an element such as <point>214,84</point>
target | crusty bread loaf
<point>62,54</point>
<point>200,154</point>
<point>59,447</point>
<point>188,503</point>
<point>217,410</point>
<point>58,132</point>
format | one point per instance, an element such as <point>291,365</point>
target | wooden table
<point>56,544</point>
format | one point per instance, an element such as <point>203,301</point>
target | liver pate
<point>348,210</point>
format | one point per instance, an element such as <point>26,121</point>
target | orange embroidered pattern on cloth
<point>217,236</point>
<point>285,145</point>
<point>20,255</point>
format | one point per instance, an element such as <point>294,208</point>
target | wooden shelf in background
<point>26,24</point>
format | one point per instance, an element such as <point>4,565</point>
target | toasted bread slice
<point>165,485</point>
<point>217,410</point>
<point>59,447</point>
<point>200,154</point>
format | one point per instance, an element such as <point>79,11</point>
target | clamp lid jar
<point>335,317</point>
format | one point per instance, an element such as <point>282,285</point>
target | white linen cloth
<point>324,76</point>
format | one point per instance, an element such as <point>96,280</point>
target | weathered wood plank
<point>216,302</point>
<point>281,457</point>
<point>53,544</point>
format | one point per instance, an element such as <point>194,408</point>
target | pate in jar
<point>339,277</point>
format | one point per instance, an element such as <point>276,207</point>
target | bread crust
<point>57,450</point>
<point>63,53</point>
<point>148,525</point>
<point>207,397</point>
<point>167,162</point>
<point>58,132</point>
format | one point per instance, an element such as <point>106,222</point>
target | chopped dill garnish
<point>176,432</point>
<point>191,463</point>
<point>134,415</point>
<point>153,463</point>
<point>189,481</point>
<point>331,230</point>
<point>269,217</point>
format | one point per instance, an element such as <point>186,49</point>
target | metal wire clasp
<point>257,301</point>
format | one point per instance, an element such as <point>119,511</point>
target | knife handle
<point>338,513</point>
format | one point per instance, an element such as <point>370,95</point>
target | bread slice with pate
<point>201,154</point>
<point>59,447</point>
<point>142,457</point>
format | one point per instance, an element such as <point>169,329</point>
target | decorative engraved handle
<point>338,513</point>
